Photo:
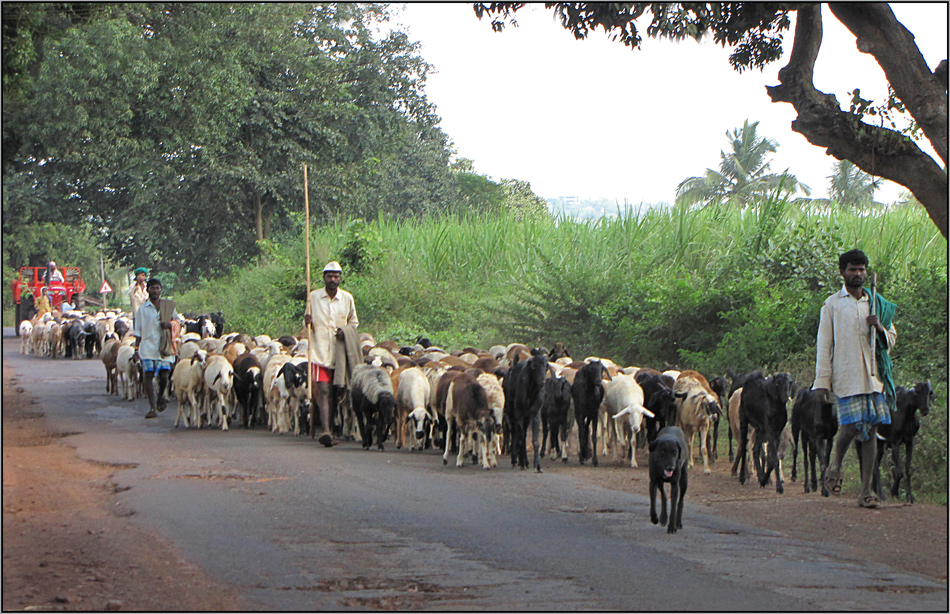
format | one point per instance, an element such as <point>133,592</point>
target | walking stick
<point>306,201</point>
<point>873,329</point>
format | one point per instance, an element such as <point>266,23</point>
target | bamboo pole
<point>873,329</point>
<point>306,201</point>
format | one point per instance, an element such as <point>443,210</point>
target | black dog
<point>669,463</point>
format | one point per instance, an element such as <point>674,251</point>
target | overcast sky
<point>593,118</point>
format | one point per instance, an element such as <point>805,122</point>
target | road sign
<point>105,287</point>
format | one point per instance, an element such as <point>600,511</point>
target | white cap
<point>332,267</point>
<point>52,263</point>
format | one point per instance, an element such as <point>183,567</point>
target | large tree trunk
<point>878,151</point>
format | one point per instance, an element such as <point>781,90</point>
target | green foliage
<point>362,248</point>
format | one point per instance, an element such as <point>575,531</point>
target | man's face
<point>331,280</point>
<point>154,292</point>
<point>854,275</point>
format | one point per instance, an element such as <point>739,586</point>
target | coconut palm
<point>743,174</point>
<point>851,187</point>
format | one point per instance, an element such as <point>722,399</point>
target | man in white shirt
<point>147,328</point>
<point>844,367</point>
<point>53,274</point>
<point>329,309</point>
<point>137,293</point>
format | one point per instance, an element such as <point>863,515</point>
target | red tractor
<point>31,278</point>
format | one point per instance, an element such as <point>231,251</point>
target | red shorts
<point>322,374</point>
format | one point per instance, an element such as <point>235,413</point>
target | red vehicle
<point>31,277</point>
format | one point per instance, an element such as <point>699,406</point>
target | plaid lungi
<point>150,365</point>
<point>864,411</point>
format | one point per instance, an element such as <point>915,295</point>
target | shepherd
<point>853,362</point>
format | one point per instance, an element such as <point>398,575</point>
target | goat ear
<point>647,412</point>
<point>624,412</point>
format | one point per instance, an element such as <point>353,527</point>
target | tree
<point>743,174</point>
<point>179,130</point>
<point>755,30</point>
<point>850,186</point>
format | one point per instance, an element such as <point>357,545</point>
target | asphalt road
<point>294,526</point>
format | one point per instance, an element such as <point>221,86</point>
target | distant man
<point>53,274</point>
<point>843,366</point>
<point>137,293</point>
<point>154,316</point>
<point>329,310</point>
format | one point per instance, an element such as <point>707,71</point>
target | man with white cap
<point>329,310</point>
<point>52,274</point>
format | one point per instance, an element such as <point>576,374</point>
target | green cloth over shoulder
<point>885,311</point>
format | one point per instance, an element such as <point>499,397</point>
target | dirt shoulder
<point>64,548</point>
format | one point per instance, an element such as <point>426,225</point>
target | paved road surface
<point>299,527</point>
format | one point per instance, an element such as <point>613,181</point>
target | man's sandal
<point>833,481</point>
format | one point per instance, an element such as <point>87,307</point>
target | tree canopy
<point>179,131</point>
<point>755,32</point>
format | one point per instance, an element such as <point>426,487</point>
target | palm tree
<point>851,187</point>
<point>743,174</point>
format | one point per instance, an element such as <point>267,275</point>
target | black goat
<point>659,399</point>
<point>524,396</point>
<point>902,430</point>
<point>248,383</point>
<point>93,344</point>
<point>588,393</point>
<point>817,424</point>
<point>720,386</point>
<point>555,418</point>
<point>763,407</point>
<point>373,400</point>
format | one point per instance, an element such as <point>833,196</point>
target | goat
<point>26,331</point>
<point>248,385</point>
<point>902,430</point>
<point>524,395</point>
<point>555,415</point>
<point>697,409</point>
<point>108,356</point>
<point>762,406</point>
<point>496,403</point>
<point>467,408</point>
<point>587,391</point>
<point>816,422</point>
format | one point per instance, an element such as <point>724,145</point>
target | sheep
<point>128,371</point>
<point>108,356</point>
<point>467,408</point>
<point>188,380</point>
<point>624,397</point>
<point>412,396</point>
<point>276,422</point>
<point>372,394</point>
<point>26,331</point>
<point>496,403</point>
<point>219,380</point>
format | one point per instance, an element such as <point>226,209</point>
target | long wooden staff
<point>873,329</point>
<point>306,201</point>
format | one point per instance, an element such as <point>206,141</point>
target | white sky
<point>593,118</point>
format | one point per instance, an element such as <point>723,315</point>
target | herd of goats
<point>481,402</point>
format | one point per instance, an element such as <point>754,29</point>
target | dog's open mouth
<point>668,473</point>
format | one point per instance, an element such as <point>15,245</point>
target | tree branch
<point>875,150</point>
<point>879,34</point>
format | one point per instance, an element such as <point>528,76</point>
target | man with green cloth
<point>863,398</point>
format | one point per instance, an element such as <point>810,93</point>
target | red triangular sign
<point>105,287</point>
